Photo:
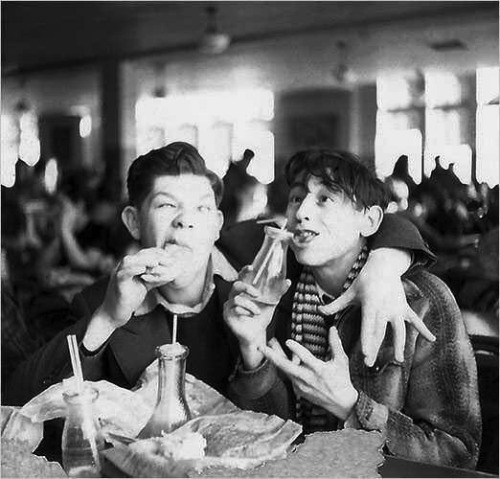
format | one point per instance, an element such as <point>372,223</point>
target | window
<point>440,121</point>
<point>220,124</point>
<point>399,120</point>
<point>487,126</point>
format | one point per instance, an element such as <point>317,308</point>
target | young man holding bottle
<point>424,403</point>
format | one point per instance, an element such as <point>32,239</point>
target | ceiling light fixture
<point>213,41</point>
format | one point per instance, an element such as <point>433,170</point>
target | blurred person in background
<point>244,196</point>
<point>401,172</point>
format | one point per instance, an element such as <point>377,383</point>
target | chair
<point>486,353</point>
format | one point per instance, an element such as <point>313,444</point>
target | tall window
<point>447,123</point>
<point>398,124</point>
<point>487,126</point>
<point>220,124</point>
<point>435,115</point>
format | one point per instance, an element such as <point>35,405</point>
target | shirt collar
<point>218,265</point>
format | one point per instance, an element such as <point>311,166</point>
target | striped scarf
<point>310,330</point>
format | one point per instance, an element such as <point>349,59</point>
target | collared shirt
<point>218,265</point>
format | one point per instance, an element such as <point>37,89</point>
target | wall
<point>73,92</point>
<point>289,66</point>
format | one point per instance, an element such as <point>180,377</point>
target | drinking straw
<point>174,332</point>
<point>75,361</point>
<point>266,259</point>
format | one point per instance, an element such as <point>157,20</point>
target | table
<point>392,467</point>
<point>398,467</point>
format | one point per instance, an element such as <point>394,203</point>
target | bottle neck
<point>171,377</point>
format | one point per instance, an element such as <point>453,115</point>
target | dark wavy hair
<point>340,171</point>
<point>175,159</point>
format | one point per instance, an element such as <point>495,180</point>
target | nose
<point>303,212</point>
<point>184,220</point>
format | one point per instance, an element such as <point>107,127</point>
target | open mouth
<point>303,237</point>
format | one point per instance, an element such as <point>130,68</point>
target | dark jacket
<point>131,348</point>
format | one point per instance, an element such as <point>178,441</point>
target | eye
<point>204,208</point>
<point>166,204</point>
<point>322,199</point>
<point>295,199</point>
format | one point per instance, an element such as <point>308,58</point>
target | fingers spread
<point>399,337</point>
<point>339,304</point>
<point>368,327</point>
<point>336,344</point>
<point>419,325</point>
<point>274,344</point>
<point>282,362</point>
<point>378,335</point>
<point>302,353</point>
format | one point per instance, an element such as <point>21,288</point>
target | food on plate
<point>333,454</point>
<point>175,447</point>
<point>18,461</point>
<point>19,427</point>
<point>241,439</point>
<point>244,434</point>
<point>119,410</point>
<point>124,412</point>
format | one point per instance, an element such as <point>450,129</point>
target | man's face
<point>326,225</point>
<point>180,214</point>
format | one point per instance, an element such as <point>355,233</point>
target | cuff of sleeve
<point>368,414</point>
<point>255,383</point>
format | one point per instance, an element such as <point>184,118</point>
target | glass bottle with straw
<point>171,410</point>
<point>268,271</point>
<point>81,438</point>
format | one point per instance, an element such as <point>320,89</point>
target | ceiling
<point>41,35</point>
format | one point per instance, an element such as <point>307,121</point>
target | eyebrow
<point>298,184</point>
<point>168,195</point>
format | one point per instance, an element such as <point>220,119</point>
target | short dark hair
<point>175,159</point>
<point>340,171</point>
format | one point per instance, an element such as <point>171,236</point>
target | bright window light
<point>444,127</point>
<point>393,92</point>
<point>29,143</point>
<point>487,80</point>
<point>51,176</point>
<point>487,144</point>
<point>9,152</point>
<point>441,89</point>
<point>85,126</point>
<point>212,121</point>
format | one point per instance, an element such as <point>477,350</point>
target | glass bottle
<point>268,272</point>
<point>81,437</point>
<point>172,410</point>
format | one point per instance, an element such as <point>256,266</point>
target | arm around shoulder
<point>400,233</point>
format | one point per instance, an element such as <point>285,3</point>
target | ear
<point>371,220</point>
<point>219,221</point>
<point>130,218</point>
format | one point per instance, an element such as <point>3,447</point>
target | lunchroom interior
<point>411,87</point>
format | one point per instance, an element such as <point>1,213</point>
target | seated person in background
<point>18,343</point>
<point>173,213</point>
<point>426,403</point>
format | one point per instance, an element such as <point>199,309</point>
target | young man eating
<point>426,404</point>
